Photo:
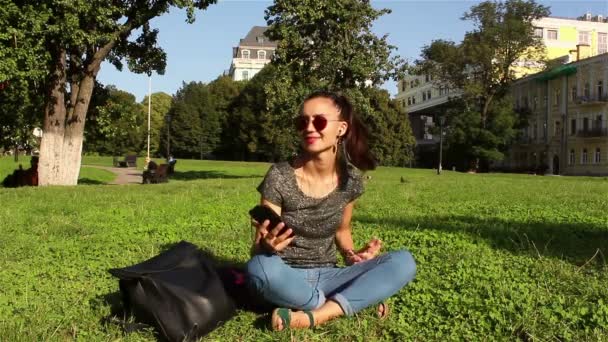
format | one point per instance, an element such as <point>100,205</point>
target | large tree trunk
<point>61,145</point>
<point>50,163</point>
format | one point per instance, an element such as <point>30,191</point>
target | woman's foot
<point>284,318</point>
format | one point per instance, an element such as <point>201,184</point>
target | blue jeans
<point>353,287</point>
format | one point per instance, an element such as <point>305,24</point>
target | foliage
<point>66,41</point>
<point>328,45</point>
<point>483,67</point>
<point>160,105</point>
<point>500,257</point>
<point>20,113</point>
<point>195,124</point>
<point>118,124</point>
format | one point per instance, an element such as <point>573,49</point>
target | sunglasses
<point>319,122</point>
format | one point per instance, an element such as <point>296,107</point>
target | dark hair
<point>355,139</point>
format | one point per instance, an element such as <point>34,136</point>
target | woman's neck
<point>319,166</point>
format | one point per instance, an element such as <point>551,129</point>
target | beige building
<point>585,36</point>
<point>567,132</point>
<point>251,55</point>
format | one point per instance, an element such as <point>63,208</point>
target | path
<point>124,175</point>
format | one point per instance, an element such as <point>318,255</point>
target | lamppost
<point>441,122</point>
<point>168,121</point>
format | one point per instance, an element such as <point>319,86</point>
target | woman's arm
<point>344,237</point>
<point>344,240</point>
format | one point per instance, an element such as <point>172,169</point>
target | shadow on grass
<point>573,242</point>
<point>230,272</point>
<point>88,181</point>
<point>194,175</point>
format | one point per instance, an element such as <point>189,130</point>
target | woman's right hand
<point>273,240</point>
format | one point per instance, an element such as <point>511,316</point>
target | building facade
<point>252,54</point>
<point>568,38</point>
<point>567,131</point>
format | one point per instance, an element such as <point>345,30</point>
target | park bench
<point>155,174</point>
<point>129,160</point>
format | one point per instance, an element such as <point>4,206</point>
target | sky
<point>203,50</point>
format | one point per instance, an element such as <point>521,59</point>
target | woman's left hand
<point>370,251</point>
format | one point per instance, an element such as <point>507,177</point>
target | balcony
<point>592,100</point>
<point>592,132</point>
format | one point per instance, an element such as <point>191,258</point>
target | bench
<point>155,174</point>
<point>129,160</point>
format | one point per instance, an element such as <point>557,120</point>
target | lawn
<point>500,257</point>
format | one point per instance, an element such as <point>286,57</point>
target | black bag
<point>178,292</point>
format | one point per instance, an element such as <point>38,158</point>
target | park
<point>515,257</point>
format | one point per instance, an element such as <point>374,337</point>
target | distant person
<point>315,195</point>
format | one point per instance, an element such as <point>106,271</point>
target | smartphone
<point>262,213</point>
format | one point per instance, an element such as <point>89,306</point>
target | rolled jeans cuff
<point>344,304</point>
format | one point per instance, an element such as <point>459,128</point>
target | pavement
<point>124,175</point>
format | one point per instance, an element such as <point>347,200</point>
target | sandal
<point>283,316</point>
<point>383,310</point>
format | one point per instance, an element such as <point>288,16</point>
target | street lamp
<point>168,121</point>
<point>441,123</point>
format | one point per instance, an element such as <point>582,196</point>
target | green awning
<point>562,70</point>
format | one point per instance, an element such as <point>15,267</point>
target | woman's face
<point>320,125</point>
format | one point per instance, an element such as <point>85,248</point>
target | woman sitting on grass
<point>315,196</point>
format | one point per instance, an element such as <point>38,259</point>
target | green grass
<point>500,257</point>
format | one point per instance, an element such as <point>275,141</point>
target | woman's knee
<point>403,265</point>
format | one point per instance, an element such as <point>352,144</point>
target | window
<point>409,101</point>
<point>403,85</point>
<point>412,84</point>
<point>427,78</point>
<point>556,97</point>
<point>572,158</point>
<point>585,124</point>
<point>558,128</point>
<point>602,42</point>
<point>535,102</point>
<point>552,34</point>
<point>598,122</point>
<point>535,131</point>
<point>600,89</point>
<point>261,54</point>
<point>597,158</point>
<point>428,94</point>
<point>573,127</point>
<point>583,37</point>
<point>245,75</point>
<point>573,94</point>
<point>413,100</point>
<point>260,39</point>
<point>538,32</point>
<point>587,91</point>
<point>245,54</point>
<point>403,103</point>
<point>584,158</point>
<point>424,96</point>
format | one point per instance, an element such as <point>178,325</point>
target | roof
<point>256,38</point>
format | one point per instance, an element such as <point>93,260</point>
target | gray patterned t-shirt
<point>313,220</point>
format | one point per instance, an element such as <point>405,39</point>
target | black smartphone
<point>262,213</point>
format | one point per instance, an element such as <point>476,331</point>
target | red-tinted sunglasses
<point>319,122</point>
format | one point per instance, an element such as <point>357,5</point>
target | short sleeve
<point>269,188</point>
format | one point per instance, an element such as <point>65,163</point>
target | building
<point>251,55</point>
<point>567,132</point>
<point>422,99</point>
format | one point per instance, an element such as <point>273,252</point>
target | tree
<point>119,124</point>
<point>160,105</point>
<point>483,67</point>
<point>76,37</point>
<point>323,45</point>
